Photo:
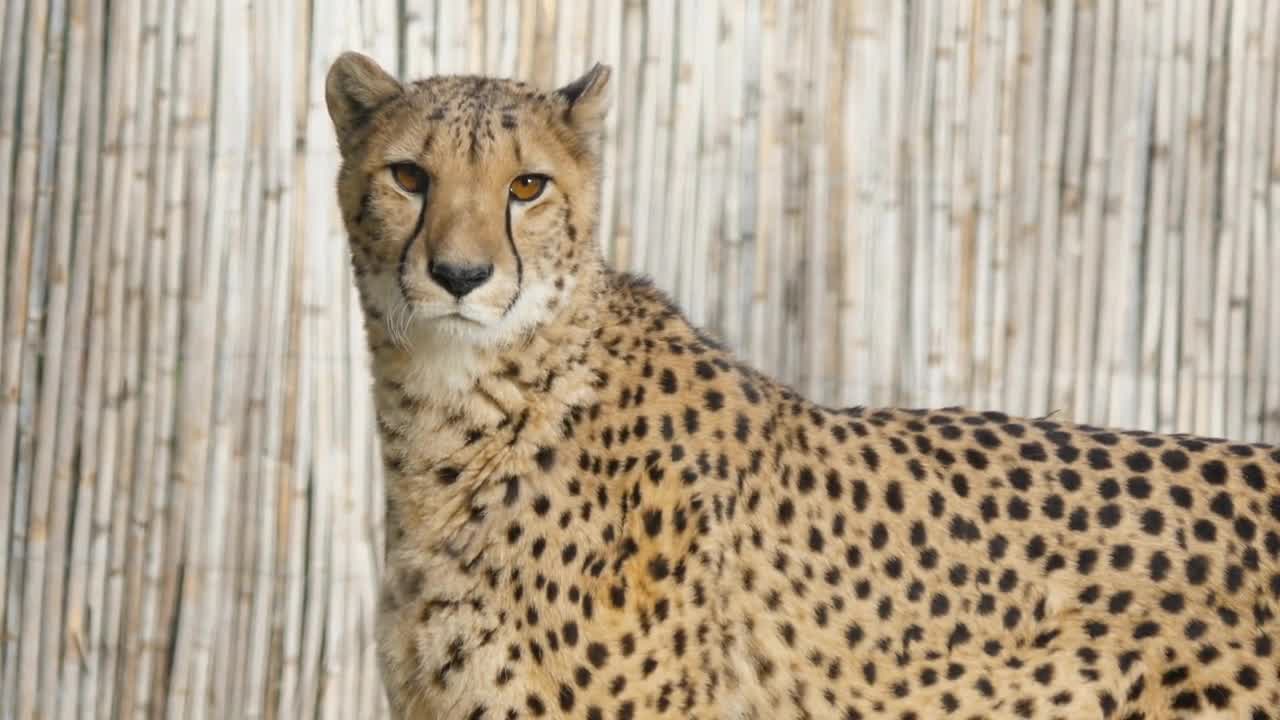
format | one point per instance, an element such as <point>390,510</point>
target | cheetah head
<point>470,202</point>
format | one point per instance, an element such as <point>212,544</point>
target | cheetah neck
<point>454,418</point>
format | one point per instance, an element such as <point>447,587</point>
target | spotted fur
<point>595,511</point>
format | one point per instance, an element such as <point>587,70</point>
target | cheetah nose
<point>459,279</point>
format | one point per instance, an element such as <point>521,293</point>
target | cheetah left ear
<point>587,99</point>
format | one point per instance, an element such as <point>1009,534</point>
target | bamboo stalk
<point>1255,407</point>
<point>606,47</point>
<point>815,244</point>
<point>36,694</point>
<point>955,330</point>
<point>1271,427</point>
<point>1095,189</point>
<point>1163,253</point>
<point>699,230</point>
<point>196,390</point>
<point>984,155</point>
<point>1125,341</point>
<point>1004,200</point>
<point>1048,251</point>
<point>419,38</point>
<point>137,389</point>
<point>1194,343</point>
<point>78,415</point>
<point>15,436</point>
<point>1208,412</point>
<point>15,22</point>
<point>734,298</point>
<point>165,193</point>
<point>58,374</point>
<point>794,77</point>
<point>1246,29</point>
<point>681,178</point>
<point>1028,214</point>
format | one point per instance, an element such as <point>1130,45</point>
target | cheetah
<point>595,511</point>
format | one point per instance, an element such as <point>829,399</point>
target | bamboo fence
<point>1067,208</point>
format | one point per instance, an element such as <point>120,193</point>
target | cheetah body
<point>595,511</point>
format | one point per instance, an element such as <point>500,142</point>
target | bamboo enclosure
<point>1067,208</point>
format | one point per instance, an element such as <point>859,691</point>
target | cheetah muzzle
<point>594,511</point>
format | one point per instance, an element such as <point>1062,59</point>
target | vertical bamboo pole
<point>1005,229</point>
<point>1163,250</point>
<point>1048,252</point>
<point>57,373</point>
<point>735,298</point>
<point>750,214</point>
<point>606,47</point>
<point>704,204</point>
<point>1029,217</point>
<point>1095,189</point>
<point>1064,391</point>
<point>860,118</point>
<point>1271,428</point>
<point>418,33</point>
<point>78,415</point>
<point>1261,280</point>
<point>815,244</point>
<point>15,435</point>
<point>155,410</point>
<point>1194,346</point>
<point>1241,136</point>
<point>984,155</point>
<point>15,23</point>
<point>1210,310</point>
<point>955,330</point>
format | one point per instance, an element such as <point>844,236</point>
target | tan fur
<point>594,511</point>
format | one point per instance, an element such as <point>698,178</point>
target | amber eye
<point>410,177</point>
<point>528,187</point>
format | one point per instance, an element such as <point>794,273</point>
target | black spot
<point>597,654</point>
<point>892,494</point>
<point>1175,460</point>
<point>1152,522</point>
<point>667,381</point>
<point>1214,472</point>
<point>1121,557</point>
<point>1218,696</point>
<point>1139,462</point>
<point>546,458</point>
<point>1197,569</point>
<point>1109,516</point>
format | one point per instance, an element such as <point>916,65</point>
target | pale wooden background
<point>1066,207</point>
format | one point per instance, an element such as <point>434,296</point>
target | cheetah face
<point>470,202</point>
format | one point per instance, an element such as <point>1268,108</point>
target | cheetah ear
<point>587,99</point>
<point>354,90</point>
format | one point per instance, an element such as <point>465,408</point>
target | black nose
<point>459,279</point>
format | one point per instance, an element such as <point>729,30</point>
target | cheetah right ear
<point>587,99</point>
<point>354,90</point>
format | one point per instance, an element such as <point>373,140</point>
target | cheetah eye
<point>527,188</point>
<point>411,178</point>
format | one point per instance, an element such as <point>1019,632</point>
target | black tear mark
<point>404,252</point>
<point>519,263</point>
